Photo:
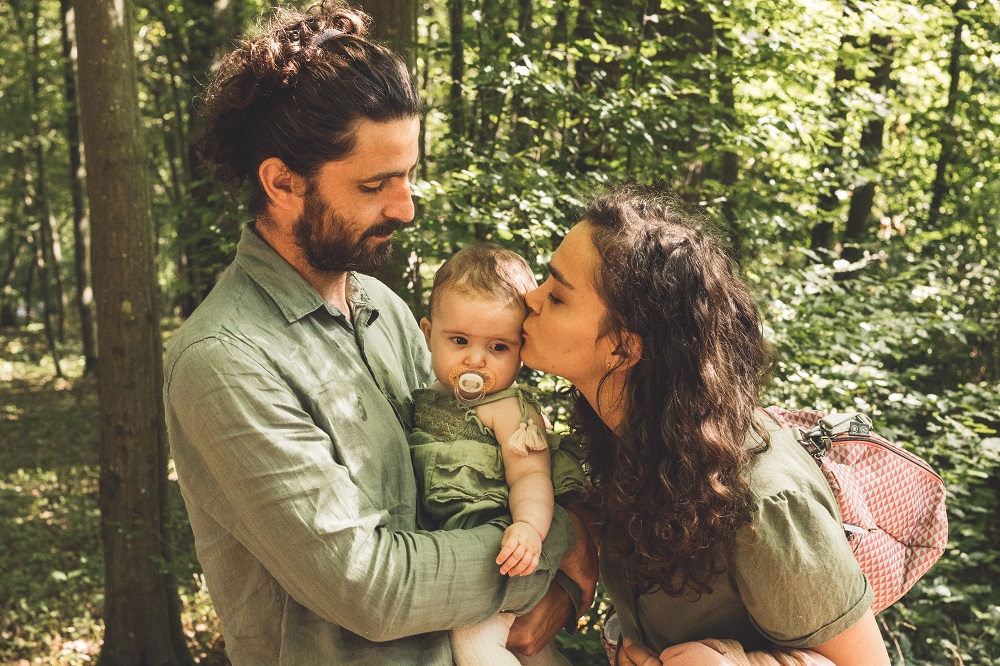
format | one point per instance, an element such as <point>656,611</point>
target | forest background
<point>847,151</point>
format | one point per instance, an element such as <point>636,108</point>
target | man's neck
<point>332,287</point>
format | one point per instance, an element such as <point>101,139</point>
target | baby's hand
<point>519,550</point>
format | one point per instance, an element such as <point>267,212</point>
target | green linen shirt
<point>795,583</point>
<point>286,425</point>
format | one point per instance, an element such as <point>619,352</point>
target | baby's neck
<point>441,387</point>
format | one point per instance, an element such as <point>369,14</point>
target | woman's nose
<point>533,299</point>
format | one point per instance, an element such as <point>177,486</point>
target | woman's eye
<point>372,189</point>
<point>552,299</point>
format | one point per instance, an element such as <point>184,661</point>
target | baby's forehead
<point>462,293</point>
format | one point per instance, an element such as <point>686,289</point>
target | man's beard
<point>325,240</point>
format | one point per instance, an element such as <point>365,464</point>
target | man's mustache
<point>386,228</point>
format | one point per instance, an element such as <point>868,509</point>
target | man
<point>288,391</point>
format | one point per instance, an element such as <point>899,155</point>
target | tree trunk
<point>949,137</point>
<point>522,134</point>
<point>829,201</point>
<point>43,280</point>
<point>8,300</point>
<point>51,272</point>
<point>687,35</point>
<point>729,163</point>
<point>872,136</point>
<point>456,100</point>
<point>81,225</point>
<point>491,35</point>
<point>141,604</point>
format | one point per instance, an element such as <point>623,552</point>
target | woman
<point>714,523</point>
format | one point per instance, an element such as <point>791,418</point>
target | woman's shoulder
<point>784,468</point>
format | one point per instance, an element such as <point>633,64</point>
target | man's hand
<point>536,628</point>
<point>581,563</point>
<point>519,550</point>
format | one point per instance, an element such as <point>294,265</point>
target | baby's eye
<point>499,347</point>
<point>459,340</point>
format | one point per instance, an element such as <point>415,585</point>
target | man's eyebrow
<point>559,277</point>
<point>385,175</point>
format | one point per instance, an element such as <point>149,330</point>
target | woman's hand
<point>636,654</point>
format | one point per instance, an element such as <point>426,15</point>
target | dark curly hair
<point>296,92</point>
<point>671,482</point>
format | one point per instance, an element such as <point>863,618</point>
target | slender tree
<point>948,134</point>
<point>81,225</point>
<point>872,138</point>
<point>395,24</point>
<point>141,604</point>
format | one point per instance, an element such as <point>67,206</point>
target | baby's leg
<point>730,653</point>
<point>483,644</point>
<point>696,654</point>
<point>547,656</point>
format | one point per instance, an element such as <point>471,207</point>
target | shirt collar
<point>295,297</point>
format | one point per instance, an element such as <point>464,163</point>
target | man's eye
<point>372,189</point>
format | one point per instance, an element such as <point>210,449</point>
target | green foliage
<point>904,346</point>
<point>755,111</point>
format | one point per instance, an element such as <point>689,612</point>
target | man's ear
<point>425,326</point>
<point>283,187</point>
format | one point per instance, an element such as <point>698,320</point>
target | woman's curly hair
<point>296,92</point>
<point>671,483</point>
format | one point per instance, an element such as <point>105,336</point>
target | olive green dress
<point>459,465</point>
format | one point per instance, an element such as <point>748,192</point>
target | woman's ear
<point>284,187</point>
<point>628,352</point>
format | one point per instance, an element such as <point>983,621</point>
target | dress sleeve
<point>796,572</point>
<point>250,458</point>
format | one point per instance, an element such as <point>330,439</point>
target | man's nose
<point>400,206</point>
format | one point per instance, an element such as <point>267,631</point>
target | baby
<point>479,446</point>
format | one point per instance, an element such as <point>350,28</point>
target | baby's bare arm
<point>529,479</point>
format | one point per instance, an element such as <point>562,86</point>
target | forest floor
<point>51,563</point>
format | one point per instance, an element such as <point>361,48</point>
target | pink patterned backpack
<point>891,501</point>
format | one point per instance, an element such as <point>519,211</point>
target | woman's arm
<point>861,645</point>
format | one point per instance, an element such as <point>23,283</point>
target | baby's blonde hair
<point>485,269</point>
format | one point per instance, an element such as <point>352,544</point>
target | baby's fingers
<point>526,567</point>
<point>511,562</point>
<point>507,549</point>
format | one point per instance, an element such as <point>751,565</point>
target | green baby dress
<point>459,465</point>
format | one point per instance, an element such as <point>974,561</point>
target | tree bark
<point>872,136</point>
<point>141,605</point>
<point>43,280</point>
<point>50,272</point>
<point>829,201</point>
<point>395,24</point>
<point>8,300</point>
<point>81,225</point>
<point>949,137</point>
<point>456,100</point>
<point>729,163</point>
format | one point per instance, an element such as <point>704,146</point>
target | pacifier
<point>471,382</point>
